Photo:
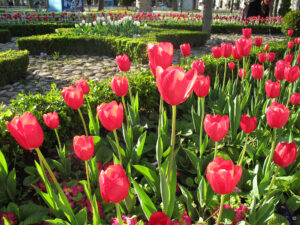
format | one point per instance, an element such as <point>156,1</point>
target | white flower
<point>56,30</point>
<point>98,19</point>
<point>84,13</point>
<point>83,21</point>
<point>103,24</point>
<point>145,25</point>
<point>90,24</point>
<point>76,25</point>
<point>95,23</point>
<point>137,23</point>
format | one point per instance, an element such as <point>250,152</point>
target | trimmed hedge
<point>292,21</point>
<point>223,28</point>
<point>5,36</point>
<point>18,30</point>
<point>13,65</point>
<point>66,43</point>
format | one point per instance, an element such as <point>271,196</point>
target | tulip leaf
<point>58,222</point>
<point>293,203</point>
<point>172,190</point>
<point>266,211</point>
<point>12,185</point>
<point>3,166</point>
<point>191,207</point>
<point>81,216</point>
<point>228,216</point>
<point>164,191</point>
<point>146,202</point>
<point>128,138</point>
<point>149,174</point>
<point>140,144</point>
<point>93,123</point>
<point>193,157</point>
<point>159,150</point>
<point>202,190</point>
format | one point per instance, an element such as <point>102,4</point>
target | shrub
<point>285,7</point>
<point>292,21</point>
<point>5,36</point>
<point>126,2</point>
<point>13,65</point>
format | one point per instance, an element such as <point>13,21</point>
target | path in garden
<point>65,70</point>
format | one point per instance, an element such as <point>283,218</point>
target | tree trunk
<point>207,16</point>
<point>174,5</point>
<point>275,6</point>
<point>100,5</point>
<point>144,5</point>
<point>231,6</point>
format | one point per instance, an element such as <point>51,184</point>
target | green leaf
<point>293,203</point>
<point>148,173</point>
<point>12,185</point>
<point>164,191</point>
<point>146,203</point>
<point>193,157</point>
<point>81,216</point>
<point>58,222</point>
<point>140,145</point>
<point>202,190</point>
<point>228,216</point>
<point>159,150</point>
<point>3,167</point>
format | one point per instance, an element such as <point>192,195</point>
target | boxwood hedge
<point>5,36</point>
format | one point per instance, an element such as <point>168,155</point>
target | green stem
<point>161,111</point>
<point>119,214</point>
<point>221,209</point>
<point>290,93</point>
<point>243,73</point>
<point>201,124</point>
<point>118,146</point>
<point>129,88</point>
<point>83,122</point>
<point>59,143</point>
<point>125,110</point>
<point>216,149</point>
<point>225,72</point>
<point>88,180</point>
<point>172,142</point>
<point>272,182</point>
<point>232,75</point>
<point>272,151</point>
<point>244,150</point>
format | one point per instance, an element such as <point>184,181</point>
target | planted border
<point>5,36</point>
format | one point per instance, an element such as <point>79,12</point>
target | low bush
<point>13,65</point>
<point>5,36</point>
<point>291,21</point>
<point>65,43</point>
<point>18,30</point>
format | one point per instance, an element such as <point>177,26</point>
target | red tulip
<point>279,69</point>
<point>73,96</point>
<point>297,40</point>
<point>290,45</point>
<point>123,62</point>
<point>174,85</point>
<point>231,65</point>
<point>262,57</point>
<point>298,58</point>
<point>295,99</point>
<point>26,130</point>
<point>84,86</point>
<point>114,184</point>
<point>266,47</point>
<point>199,66</point>
<point>258,41</point>
<point>242,73</point>
<point>272,89</point>
<point>291,74</point>
<point>110,115</point>
<point>160,55</point>
<point>51,120</point>
<point>226,49</point>
<point>185,49</point>
<point>247,33</point>
<point>277,115</point>
<point>289,58</point>
<point>271,56</point>
<point>223,175</point>
<point>285,154</point>
<point>119,85</point>
<point>290,33</point>
<point>243,46</point>
<point>235,54</point>
<point>159,218</point>
<point>216,52</point>
<point>83,147</point>
<point>201,86</point>
<point>248,124</point>
<point>257,71</point>
<point>216,126</point>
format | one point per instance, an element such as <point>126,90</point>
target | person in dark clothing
<point>265,7</point>
<point>89,3</point>
<point>253,8</point>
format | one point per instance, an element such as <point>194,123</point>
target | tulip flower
<point>185,49</point>
<point>243,46</point>
<point>271,56</point>
<point>201,86</point>
<point>257,71</point>
<point>248,124</point>
<point>290,45</point>
<point>279,69</point>
<point>84,86</point>
<point>175,86</point>
<point>231,65</point>
<point>160,55</point>
<point>247,33</point>
<point>285,154</point>
<point>258,41</point>
<point>295,99</point>
<point>289,58</point>
<point>235,54</point>
<point>73,96</point>
<point>226,49</point>
<point>223,176</point>
<point>272,89</point>
<point>291,74</point>
<point>262,57</point>
<point>216,52</point>
<point>83,147</point>
<point>242,73</point>
<point>266,47</point>
<point>159,218</point>
<point>123,62</point>
<point>277,115</point>
<point>26,130</point>
<point>110,115</point>
<point>199,66</point>
<point>290,33</point>
<point>119,85</point>
<point>51,120</point>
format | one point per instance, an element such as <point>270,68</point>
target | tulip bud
<point>266,48</point>
<point>199,66</point>
<point>51,120</point>
<point>123,62</point>
<point>84,86</point>
<point>248,124</point>
<point>247,33</point>
<point>295,99</point>
<point>216,52</point>
<point>119,85</point>
<point>185,49</point>
<point>289,58</point>
<point>279,69</point>
<point>291,74</point>
<point>216,126</point>
<point>258,41</point>
<point>235,54</point>
<point>290,33</point>
<point>285,154</point>
<point>242,73</point>
<point>257,71</point>
<point>231,65</point>
<point>272,89</point>
<point>243,46</point>
<point>201,86</point>
<point>110,115</point>
<point>277,115</point>
<point>290,45</point>
<point>73,96</point>
<point>262,57</point>
<point>271,56</point>
<point>83,147</point>
<point>226,49</point>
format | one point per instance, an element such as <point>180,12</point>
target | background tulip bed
<point>225,154</point>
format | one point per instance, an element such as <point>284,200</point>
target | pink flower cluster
<point>10,217</point>
<point>240,213</point>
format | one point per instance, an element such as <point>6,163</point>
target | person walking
<point>89,3</point>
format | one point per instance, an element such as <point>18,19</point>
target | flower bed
<point>5,36</point>
<point>13,66</point>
